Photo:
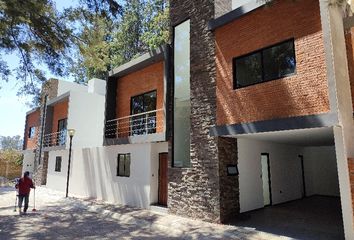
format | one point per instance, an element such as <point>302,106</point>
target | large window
<point>61,132</point>
<point>58,164</point>
<point>264,65</point>
<point>31,132</point>
<point>182,99</point>
<point>123,165</point>
<point>143,123</point>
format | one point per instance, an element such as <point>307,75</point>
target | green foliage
<point>11,156</point>
<point>40,35</point>
<point>111,42</point>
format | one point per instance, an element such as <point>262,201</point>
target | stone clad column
<point>195,191</point>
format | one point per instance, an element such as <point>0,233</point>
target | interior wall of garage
<point>321,173</point>
<point>285,168</point>
<point>320,169</point>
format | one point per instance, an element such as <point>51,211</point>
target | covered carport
<point>288,183</point>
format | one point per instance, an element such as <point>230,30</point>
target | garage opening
<point>288,183</point>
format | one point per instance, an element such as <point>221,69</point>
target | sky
<point>13,108</point>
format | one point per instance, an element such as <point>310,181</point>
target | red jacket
<point>24,186</point>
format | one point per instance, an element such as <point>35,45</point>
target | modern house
<point>271,117</point>
<point>79,109</point>
<point>30,139</point>
<point>131,167</point>
<point>46,126</point>
<point>250,108</point>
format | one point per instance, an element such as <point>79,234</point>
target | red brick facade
<point>351,176</point>
<point>60,111</point>
<point>349,39</point>
<point>139,82</point>
<point>304,93</point>
<point>32,120</point>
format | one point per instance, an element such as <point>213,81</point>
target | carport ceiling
<point>301,137</point>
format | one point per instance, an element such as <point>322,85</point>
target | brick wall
<point>32,120</point>
<point>304,93</point>
<point>145,80</point>
<point>60,111</point>
<point>349,39</point>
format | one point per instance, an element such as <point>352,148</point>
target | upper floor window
<point>61,131</point>
<point>31,132</point>
<point>123,165</point>
<point>143,123</point>
<point>264,65</point>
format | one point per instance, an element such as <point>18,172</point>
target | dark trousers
<point>20,200</point>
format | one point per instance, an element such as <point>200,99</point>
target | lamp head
<point>71,132</point>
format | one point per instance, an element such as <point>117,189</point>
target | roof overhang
<point>32,110</point>
<point>58,99</point>
<point>141,62</point>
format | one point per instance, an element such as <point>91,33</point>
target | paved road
<point>60,218</point>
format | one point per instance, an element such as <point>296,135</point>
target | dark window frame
<point>141,131</point>
<point>260,51</point>
<point>142,95</point>
<point>125,164</point>
<point>58,161</point>
<point>30,134</point>
<point>66,123</point>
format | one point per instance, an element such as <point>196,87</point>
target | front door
<point>163,187</point>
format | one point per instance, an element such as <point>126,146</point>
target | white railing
<point>137,124</point>
<point>54,139</point>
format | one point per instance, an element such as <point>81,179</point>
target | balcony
<point>55,139</point>
<point>141,127</point>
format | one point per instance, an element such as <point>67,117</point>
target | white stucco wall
<point>97,86</point>
<point>65,86</point>
<point>28,161</point>
<point>321,174</point>
<point>285,167</point>
<point>93,173</point>
<point>340,102</point>
<point>57,180</point>
<point>86,116</point>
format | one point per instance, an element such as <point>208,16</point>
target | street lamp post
<point>71,133</point>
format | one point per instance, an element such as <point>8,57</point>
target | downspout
<point>42,130</point>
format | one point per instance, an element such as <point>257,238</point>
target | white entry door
<point>266,179</point>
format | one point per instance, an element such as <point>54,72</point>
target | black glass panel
<point>279,61</point>
<point>248,70</point>
<point>143,123</point>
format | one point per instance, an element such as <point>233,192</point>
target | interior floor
<point>316,217</point>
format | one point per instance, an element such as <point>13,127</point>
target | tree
<point>143,25</point>
<point>10,143</point>
<point>39,34</point>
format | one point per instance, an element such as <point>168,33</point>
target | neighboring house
<point>46,126</point>
<point>83,111</point>
<point>30,139</point>
<point>126,169</point>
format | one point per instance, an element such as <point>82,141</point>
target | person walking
<point>24,186</point>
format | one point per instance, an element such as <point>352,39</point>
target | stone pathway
<point>60,218</point>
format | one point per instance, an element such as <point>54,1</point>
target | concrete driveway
<point>60,218</point>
